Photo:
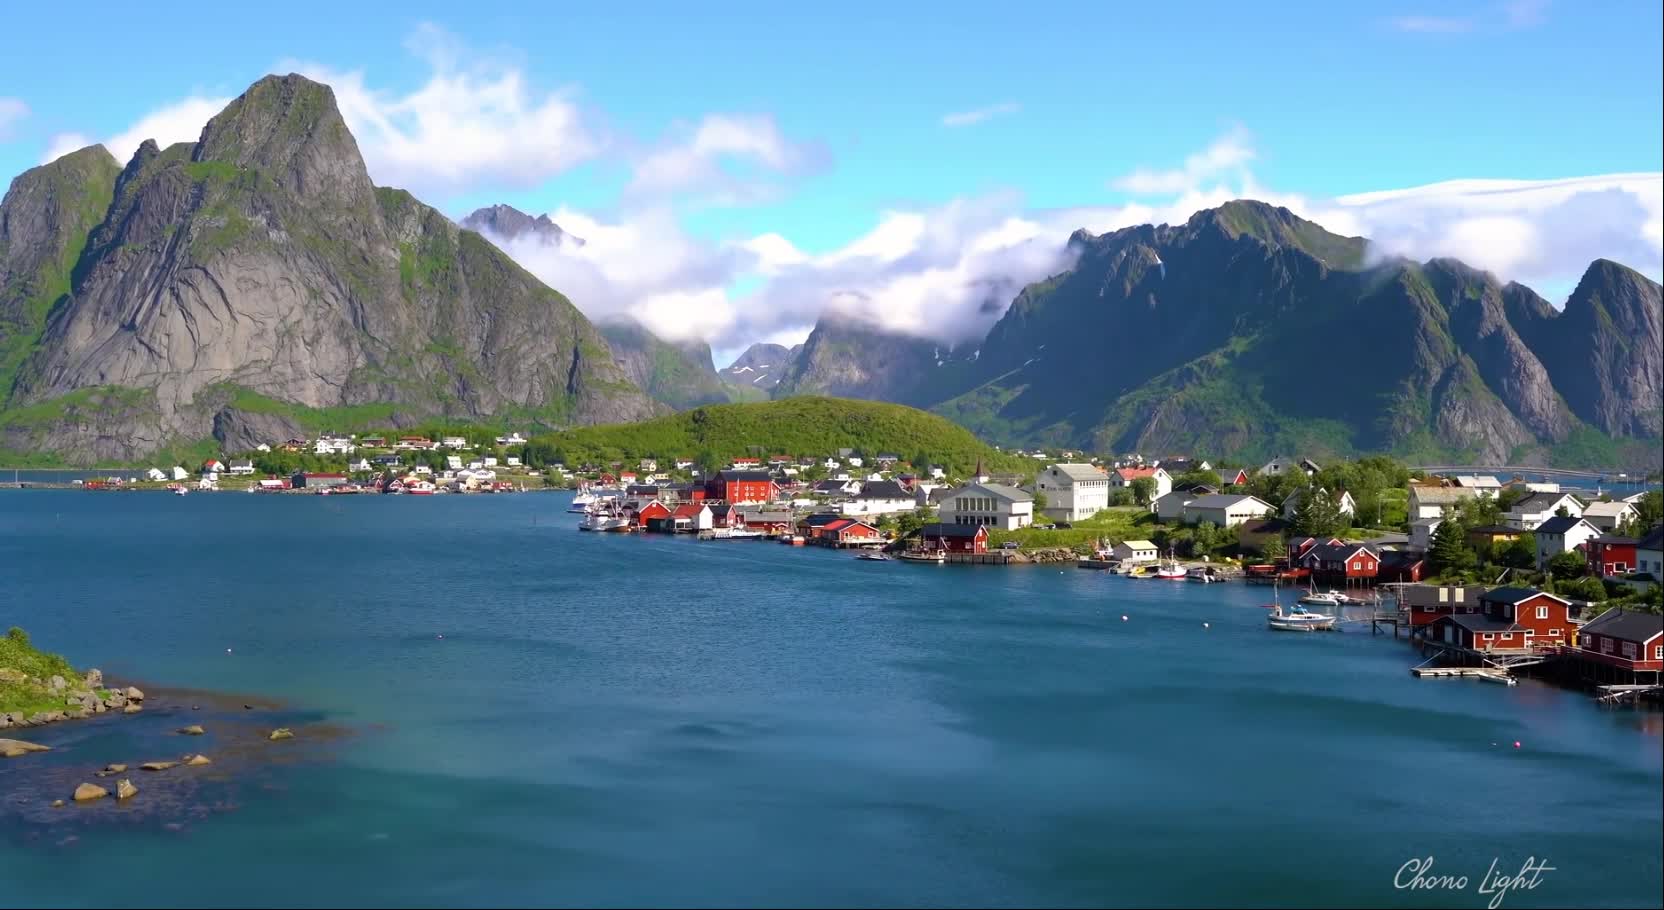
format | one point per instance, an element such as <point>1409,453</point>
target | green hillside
<point>794,426</point>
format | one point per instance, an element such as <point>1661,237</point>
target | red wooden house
<point>1401,566</point>
<point>1611,556</point>
<point>1510,619</point>
<point>1235,480</point>
<point>722,514</point>
<point>1353,563</point>
<point>740,486</point>
<point>954,538</point>
<point>649,511</point>
<point>1426,603</point>
<point>1629,641</point>
<point>848,532</point>
<point>1298,547</point>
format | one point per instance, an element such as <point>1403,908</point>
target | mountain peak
<point>289,128</point>
<point>1276,226</point>
<point>509,223</point>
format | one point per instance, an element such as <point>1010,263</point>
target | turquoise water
<point>645,720</point>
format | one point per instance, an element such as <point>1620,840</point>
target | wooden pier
<point>1487,674</point>
<point>1001,558</point>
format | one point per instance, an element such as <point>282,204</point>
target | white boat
<point>932,556</point>
<point>1169,569</point>
<point>180,491</point>
<point>1201,575</point>
<point>603,515</point>
<point>1298,619</point>
<point>874,556</point>
<point>582,501</point>
<point>1323,598</point>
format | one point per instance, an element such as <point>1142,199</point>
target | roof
<point>1495,529</point>
<point>1263,526</point>
<point>1328,552</point>
<point>1000,490</point>
<point>1078,471</point>
<point>642,489</point>
<point>742,476</point>
<point>830,486</point>
<point>1135,473</point>
<point>688,509</point>
<point>883,489</point>
<point>1611,509</point>
<point>1437,495</point>
<point>1428,595</point>
<point>1558,525</point>
<point>938,529</point>
<point>1627,625</point>
<point>1654,539</point>
<point>1138,544</point>
<point>820,519</point>
<point>775,516</point>
<point>1400,559</point>
<point>1614,540</point>
<point>1224,501</point>
<point>1200,489</point>
<point>1538,502</point>
<point>1481,481</point>
<point>1514,595</point>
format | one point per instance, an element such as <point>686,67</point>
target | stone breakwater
<point>82,697</point>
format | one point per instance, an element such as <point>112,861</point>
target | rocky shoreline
<point>82,698</point>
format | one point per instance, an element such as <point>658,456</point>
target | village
<point>1487,576</point>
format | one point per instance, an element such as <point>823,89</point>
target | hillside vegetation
<point>793,426</point>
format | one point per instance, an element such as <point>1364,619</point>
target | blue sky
<point>1329,99</point>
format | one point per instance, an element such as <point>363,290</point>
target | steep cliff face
<point>761,367</point>
<point>1603,350</point>
<point>261,258</point>
<point>509,223</point>
<point>680,376</point>
<point>849,359</point>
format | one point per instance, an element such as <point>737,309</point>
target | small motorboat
<point>1323,598</point>
<point>932,556</point>
<point>1299,619</point>
<point>1201,576</point>
<point>180,491</point>
<point>874,556</point>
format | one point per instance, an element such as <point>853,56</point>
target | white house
<point>993,504</point>
<point>1608,515</point>
<point>1123,477</point>
<point>241,466</point>
<point>1537,508</point>
<point>360,464</point>
<point>513,461</point>
<point>1557,535</point>
<point>1421,533</point>
<point>180,473</point>
<point>454,442</point>
<point>454,462</point>
<point>1073,491</point>
<point>212,466</point>
<point>1531,486</point>
<point>512,439</point>
<point>830,463</point>
<point>1171,506</point>
<point>1429,500</point>
<point>422,470</point>
<point>208,482</point>
<point>1348,506</point>
<point>333,445</point>
<point>1134,551</point>
<point>155,474</point>
<point>262,447</point>
<point>1481,484</point>
<point>1649,554</point>
<point>1226,510</point>
<point>489,461</point>
<point>855,461</point>
<point>885,497</point>
<point>1281,465</point>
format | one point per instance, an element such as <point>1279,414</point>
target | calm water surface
<point>622,720</point>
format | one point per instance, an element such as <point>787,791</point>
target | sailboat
<point>1298,619</point>
<point>1169,569</point>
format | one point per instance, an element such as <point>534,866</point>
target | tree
<point>709,462</point>
<point>1040,503</point>
<point>1450,552</point>
<point>1275,549</point>
<point>1143,490</point>
<point>1570,564</point>
<point>1318,514</point>
<point>1562,513</point>
<point>1190,478</point>
<point>1518,553</point>
<point>1120,496</point>
<point>909,523</point>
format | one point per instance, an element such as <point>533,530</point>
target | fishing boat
<point>1299,619</point>
<point>1201,576</point>
<point>582,501</point>
<point>603,515</point>
<point>932,556</point>
<point>1169,569</point>
<point>874,556</point>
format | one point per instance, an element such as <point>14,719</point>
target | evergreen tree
<point>1319,514</point>
<point>1143,490</point>
<point>1450,552</point>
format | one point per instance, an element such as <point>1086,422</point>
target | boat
<point>1323,598</point>
<point>1299,619</point>
<point>180,491</point>
<point>420,488</point>
<point>1169,569</point>
<point>932,556</point>
<point>1201,575</point>
<point>582,501</point>
<point>603,515</point>
<point>874,556</point>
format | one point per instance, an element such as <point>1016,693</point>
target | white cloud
<point>181,121</point>
<point>972,118</point>
<point>730,159</point>
<point>12,111</point>
<point>1229,154</point>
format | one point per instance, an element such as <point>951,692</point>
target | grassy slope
<point>804,425</point>
<point>20,660</point>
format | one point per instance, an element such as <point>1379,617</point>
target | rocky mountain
<point>761,367</point>
<point>258,271</point>
<point>680,376</point>
<point>509,223</point>
<point>1248,330</point>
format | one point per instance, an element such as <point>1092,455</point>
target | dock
<point>1002,558</point>
<point>1487,674</point>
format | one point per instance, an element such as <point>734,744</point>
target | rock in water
<point>158,765</point>
<point>125,789</point>
<point>133,693</point>
<point>87,792</point>
<point>115,769</point>
<point>199,760</point>
<point>281,733</point>
<point>57,804</point>
<point>95,678</point>
<point>192,730</point>
<point>12,748</point>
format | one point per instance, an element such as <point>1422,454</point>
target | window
<point>1359,566</point>
<point>1554,633</point>
<point>1658,652</point>
<point>1507,636</point>
<point>1629,650</point>
<point>1487,636</point>
<point>1542,612</point>
<point>1605,645</point>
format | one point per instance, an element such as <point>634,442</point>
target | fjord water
<point>645,720</point>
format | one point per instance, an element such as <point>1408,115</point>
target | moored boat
<point>931,556</point>
<point>1299,619</point>
<point>1323,598</point>
<point>873,556</point>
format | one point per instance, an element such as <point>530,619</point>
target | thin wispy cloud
<point>1511,14</point>
<point>981,114</point>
